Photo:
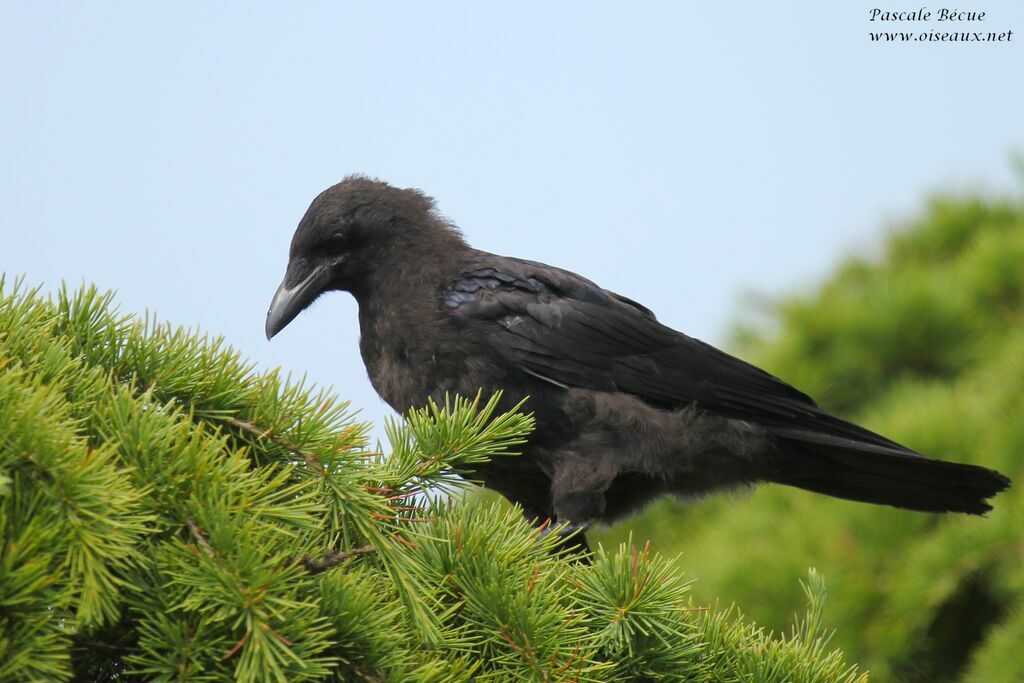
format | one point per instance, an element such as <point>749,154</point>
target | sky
<point>683,154</point>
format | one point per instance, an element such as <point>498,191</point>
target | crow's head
<point>348,232</point>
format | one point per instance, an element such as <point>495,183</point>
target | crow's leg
<point>571,539</point>
<point>578,496</point>
<point>568,538</point>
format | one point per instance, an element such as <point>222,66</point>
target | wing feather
<point>564,329</point>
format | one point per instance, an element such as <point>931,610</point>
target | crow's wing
<point>565,330</point>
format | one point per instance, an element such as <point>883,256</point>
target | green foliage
<point>169,513</point>
<point>925,344</point>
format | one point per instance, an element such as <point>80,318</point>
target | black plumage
<point>626,407</point>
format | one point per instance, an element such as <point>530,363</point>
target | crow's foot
<point>572,538</point>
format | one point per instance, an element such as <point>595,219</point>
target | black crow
<point>626,408</point>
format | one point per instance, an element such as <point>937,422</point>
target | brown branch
<point>428,462</point>
<point>332,559</point>
<point>368,454</point>
<point>238,646</point>
<point>197,534</point>
<point>262,434</point>
<point>533,579</point>
<point>399,539</point>
<point>312,461</point>
<point>401,496</point>
<point>367,675</point>
<point>269,628</point>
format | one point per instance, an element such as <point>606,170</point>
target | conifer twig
<point>366,675</point>
<point>332,559</point>
<point>200,539</point>
<point>267,434</point>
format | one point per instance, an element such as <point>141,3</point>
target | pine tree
<point>169,513</point>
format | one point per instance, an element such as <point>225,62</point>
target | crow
<point>626,408</point>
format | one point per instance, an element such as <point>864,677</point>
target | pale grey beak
<point>288,301</point>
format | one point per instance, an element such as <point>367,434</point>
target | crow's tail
<point>885,474</point>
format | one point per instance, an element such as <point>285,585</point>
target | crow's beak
<point>289,301</point>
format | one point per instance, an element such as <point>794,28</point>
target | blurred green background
<point>922,341</point>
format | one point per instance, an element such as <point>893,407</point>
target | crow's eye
<point>336,241</point>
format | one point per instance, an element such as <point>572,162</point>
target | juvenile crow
<point>626,408</point>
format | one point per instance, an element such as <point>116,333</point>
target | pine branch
<point>113,439</point>
<point>332,559</point>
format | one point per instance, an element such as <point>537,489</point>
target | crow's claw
<point>572,538</point>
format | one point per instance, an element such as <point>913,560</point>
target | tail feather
<point>901,478</point>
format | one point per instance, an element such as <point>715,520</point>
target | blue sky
<point>679,153</point>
